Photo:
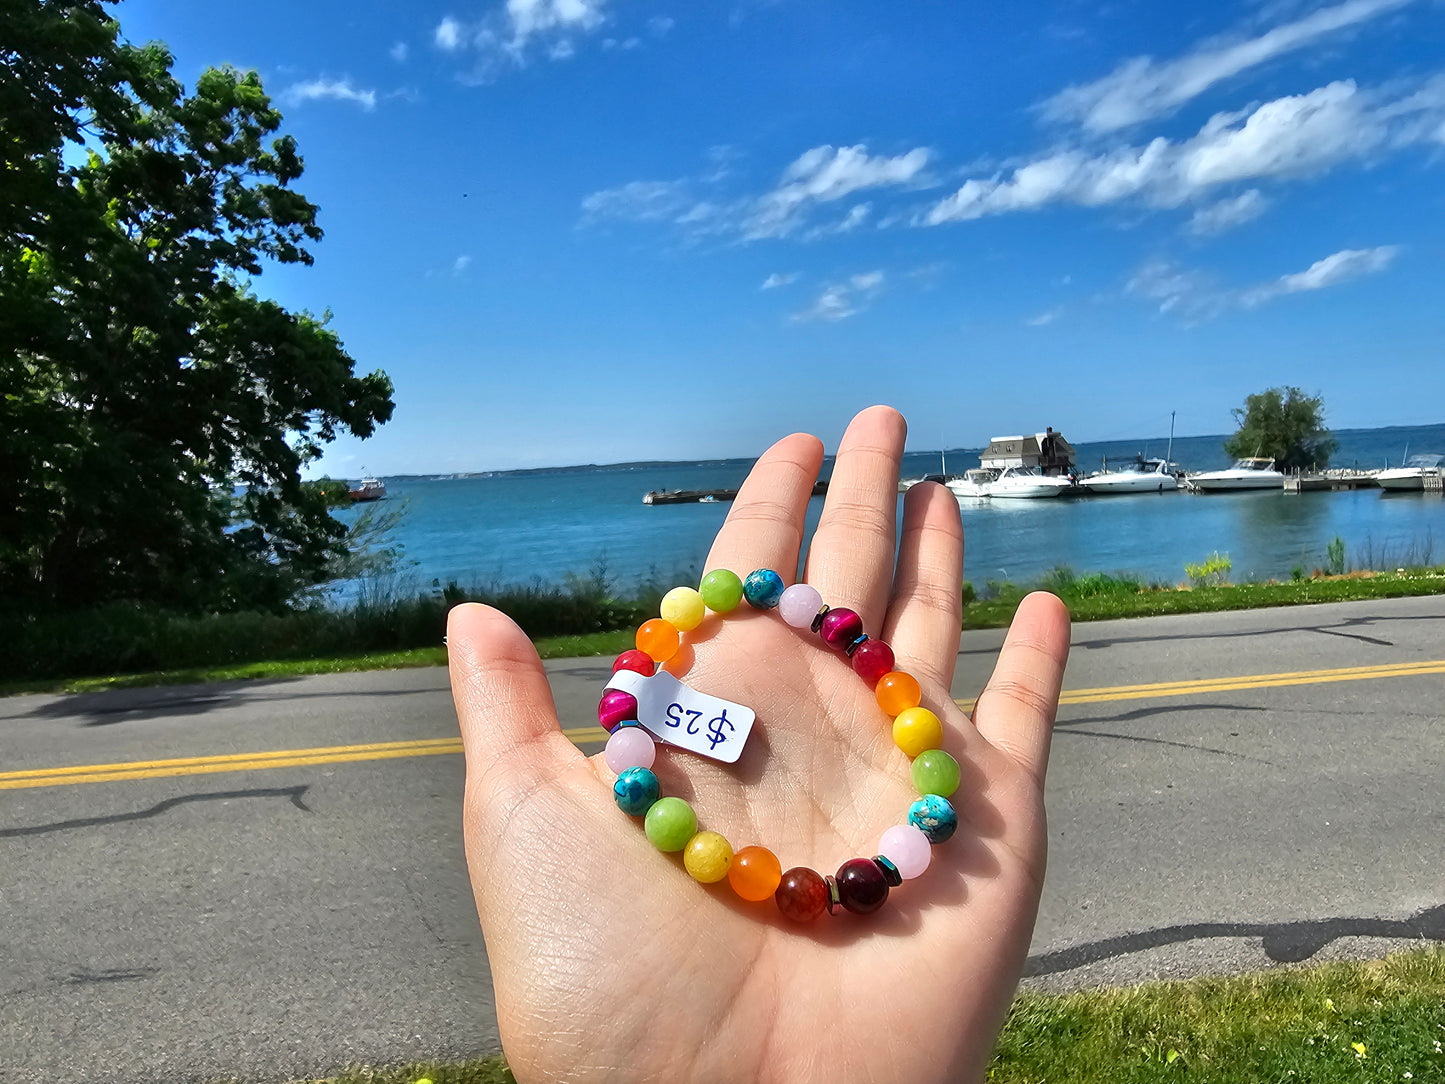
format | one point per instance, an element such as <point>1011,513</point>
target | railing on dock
<point>1301,481</point>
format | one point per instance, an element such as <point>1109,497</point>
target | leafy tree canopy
<point>156,412</point>
<point>1286,424</point>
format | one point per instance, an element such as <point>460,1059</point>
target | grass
<point>1359,1023</point>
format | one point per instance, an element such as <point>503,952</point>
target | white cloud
<point>641,201</point>
<point>460,264</point>
<point>1342,266</point>
<point>840,300</point>
<point>1143,88</point>
<point>659,25</point>
<point>856,216</point>
<point>773,281</point>
<point>449,35</point>
<point>1043,319</point>
<point>1228,213</point>
<point>507,35</point>
<point>826,173</point>
<point>339,90</point>
<point>399,52</point>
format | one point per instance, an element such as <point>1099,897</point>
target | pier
<point>707,496</point>
<point>1299,482</point>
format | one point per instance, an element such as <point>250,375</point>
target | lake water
<point>547,525</point>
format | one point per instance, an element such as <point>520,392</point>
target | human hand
<point>610,962</point>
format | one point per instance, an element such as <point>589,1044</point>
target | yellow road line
<point>341,754</point>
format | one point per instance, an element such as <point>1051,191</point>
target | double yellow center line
<point>427,747</point>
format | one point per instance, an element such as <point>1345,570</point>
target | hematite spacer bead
<point>835,901</point>
<point>818,618</point>
<point>855,645</point>
<point>889,870</point>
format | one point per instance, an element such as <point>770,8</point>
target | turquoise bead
<point>934,817</point>
<point>763,589</point>
<point>635,790</point>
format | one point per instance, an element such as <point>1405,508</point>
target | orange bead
<point>896,692</point>
<point>659,638</point>
<point>755,873</point>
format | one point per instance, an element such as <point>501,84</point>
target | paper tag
<point>680,715</point>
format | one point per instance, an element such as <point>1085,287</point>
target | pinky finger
<point>1016,711</point>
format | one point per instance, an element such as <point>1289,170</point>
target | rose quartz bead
<point>840,627</point>
<point>614,707</point>
<point>630,747</point>
<point>872,660</point>
<point>907,848</point>
<point>799,605</point>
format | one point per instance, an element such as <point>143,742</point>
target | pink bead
<point>872,660</point>
<point>614,707</point>
<point>840,627</point>
<point>799,605</point>
<point>630,747</point>
<point>907,848</point>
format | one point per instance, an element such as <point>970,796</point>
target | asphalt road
<point>263,919</point>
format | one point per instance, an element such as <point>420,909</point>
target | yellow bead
<point>659,638</point>
<point>684,607</point>
<point>707,857</point>
<point>916,730</point>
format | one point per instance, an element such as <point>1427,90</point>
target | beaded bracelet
<point>861,885</point>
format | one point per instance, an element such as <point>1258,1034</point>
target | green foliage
<point>1297,573</point>
<point>1211,572</point>
<point>1285,424</point>
<point>156,411</point>
<point>1335,556</point>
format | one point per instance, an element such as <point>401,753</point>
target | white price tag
<point>680,715</point>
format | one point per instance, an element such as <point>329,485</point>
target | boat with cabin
<point>1252,472</point>
<point>1420,472</point>
<point>1141,476</point>
<point>974,485</point>
<point>368,489</point>
<point>1027,483</point>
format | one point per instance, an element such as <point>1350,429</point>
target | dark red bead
<point>840,627</point>
<point>640,661</point>
<point>872,660</point>
<point>802,894</point>
<point>862,885</point>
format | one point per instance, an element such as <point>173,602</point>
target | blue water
<point>544,526</point>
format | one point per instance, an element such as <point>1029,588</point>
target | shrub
<point>1212,572</point>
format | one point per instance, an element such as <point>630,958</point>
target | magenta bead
<point>614,707</point>
<point>907,848</point>
<point>840,627</point>
<point>630,747</point>
<point>799,605</point>
<point>872,660</point>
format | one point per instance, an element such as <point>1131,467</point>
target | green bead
<point>935,772</point>
<point>670,824</point>
<point>721,590</point>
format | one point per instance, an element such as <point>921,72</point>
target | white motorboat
<point>1413,475</point>
<point>1251,473</point>
<point>973,485</point>
<point>1027,482</point>
<point>1141,476</point>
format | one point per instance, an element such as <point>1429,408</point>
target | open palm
<point>610,962</point>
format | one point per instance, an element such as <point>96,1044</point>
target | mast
<point>1169,455</point>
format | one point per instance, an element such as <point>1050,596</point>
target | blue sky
<point>600,230</point>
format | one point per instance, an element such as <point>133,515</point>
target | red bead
<point>862,885</point>
<point>840,627</point>
<point>802,895</point>
<point>639,661</point>
<point>872,660</point>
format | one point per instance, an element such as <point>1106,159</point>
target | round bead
<point>802,894</point>
<point>799,605</point>
<point>670,824</point>
<point>630,747</point>
<point>935,772</point>
<point>659,638</point>
<point>636,791</point>
<point>840,627</point>
<point>684,608</point>
<point>908,848</point>
<point>707,857</point>
<point>763,589</point>
<point>862,886</point>
<point>871,660</point>
<point>721,590</point>
<point>898,692</point>
<point>614,707</point>
<point>637,661</point>
<point>935,817</point>
<point>755,873</point>
<point>917,729</point>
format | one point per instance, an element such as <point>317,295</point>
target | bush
<point>1335,556</point>
<point>1212,572</point>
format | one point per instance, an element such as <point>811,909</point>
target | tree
<point>1283,423</point>
<point>156,411</point>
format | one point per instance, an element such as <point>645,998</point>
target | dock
<point>706,496</point>
<point>1301,482</point>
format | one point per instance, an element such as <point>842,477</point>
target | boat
<point>368,489</point>
<point>1249,473</point>
<point>1141,476</point>
<point>1418,473</point>
<point>1027,483</point>
<point>973,485</point>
